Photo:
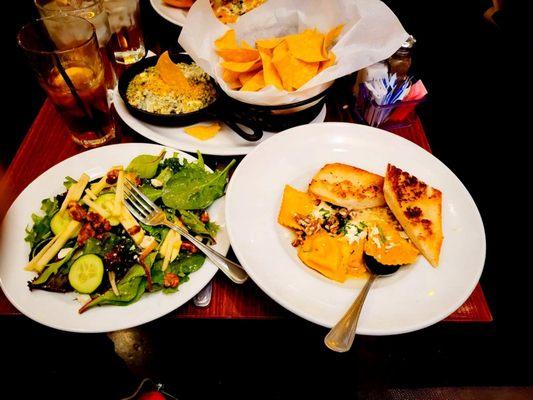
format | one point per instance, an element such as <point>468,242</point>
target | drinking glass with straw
<point>94,12</point>
<point>63,52</point>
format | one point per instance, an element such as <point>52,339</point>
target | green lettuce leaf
<point>69,181</point>
<point>40,229</point>
<point>194,188</point>
<point>145,165</point>
<point>182,266</point>
<point>131,288</point>
<point>193,222</point>
<point>50,270</point>
<point>151,192</point>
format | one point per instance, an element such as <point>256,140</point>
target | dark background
<point>476,124</point>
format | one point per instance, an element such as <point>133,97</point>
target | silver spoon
<point>341,336</point>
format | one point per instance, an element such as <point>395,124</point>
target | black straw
<point>81,104</point>
<point>79,101</point>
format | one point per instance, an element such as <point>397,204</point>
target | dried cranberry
<point>112,177</point>
<point>204,217</point>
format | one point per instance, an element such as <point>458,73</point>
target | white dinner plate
<point>416,296</point>
<point>225,143</point>
<point>177,16</point>
<point>61,310</point>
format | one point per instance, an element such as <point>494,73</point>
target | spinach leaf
<point>194,223</point>
<point>181,266</point>
<point>151,192</point>
<point>194,188</point>
<point>157,274</point>
<point>168,290</point>
<point>131,289</point>
<point>186,265</point>
<point>212,228</point>
<point>145,165</point>
<point>150,259</point>
<point>165,174</point>
<point>41,224</point>
<point>159,232</point>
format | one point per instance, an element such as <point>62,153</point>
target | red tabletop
<point>47,143</point>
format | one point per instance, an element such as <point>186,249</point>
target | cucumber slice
<point>86,273</point>
<point>60,221</point>
<point>106,201</point>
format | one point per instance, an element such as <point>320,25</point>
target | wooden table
<point>47,143</point>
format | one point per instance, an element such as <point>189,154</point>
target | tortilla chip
<point>231,78</point>
<point>239,55</point>
<point>328,63</point>
<point>242,66</point>
<point>270,73</point>
<point>234,85</point>
<point>287,62</point>
<point>302,72</point>
<point>227,41</point>
<point>170,73</point>
<point>269,43</point>
<point>281,59</point>
<point>307,45</point>
<point>330,37</point>
<point>256,83</point>
<point>246,76</point>
<point>203,132</point>
<point>245,45</point>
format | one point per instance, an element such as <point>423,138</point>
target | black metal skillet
<point>220,109</point>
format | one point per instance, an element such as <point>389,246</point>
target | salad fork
<point>147,212</point>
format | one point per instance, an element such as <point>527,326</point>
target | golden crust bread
<point>418,208</point>
<point>347,186</point>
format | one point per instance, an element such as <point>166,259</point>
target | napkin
<point>371,33</point>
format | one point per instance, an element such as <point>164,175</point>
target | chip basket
<point>279,117</point>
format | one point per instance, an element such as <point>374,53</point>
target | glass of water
<point>126,35</point>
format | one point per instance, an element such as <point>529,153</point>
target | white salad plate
<point>416,296</point>
<point>225,143</point>
<point>177,16</point>
<point>60,311</point>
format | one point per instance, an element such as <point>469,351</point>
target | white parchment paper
<point>371,33</point>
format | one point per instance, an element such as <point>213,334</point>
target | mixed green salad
<point>86,241</point>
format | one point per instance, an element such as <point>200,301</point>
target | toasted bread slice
<point>347,186</point>
<point>418,208</point>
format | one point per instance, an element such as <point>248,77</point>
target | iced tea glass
<point>126,34</point>
<point>63,52</point>
<point>94,12</point>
